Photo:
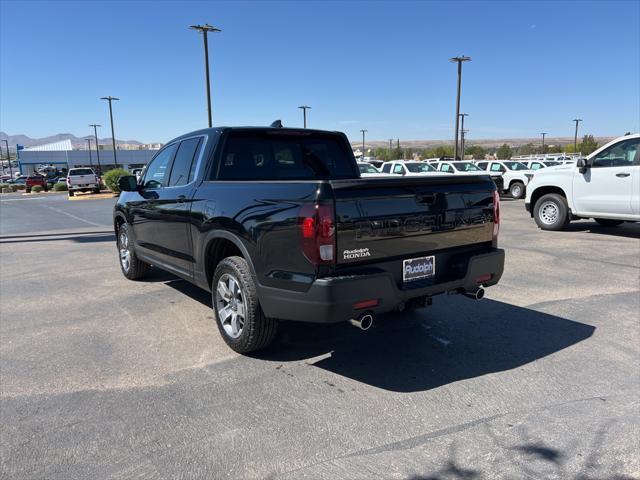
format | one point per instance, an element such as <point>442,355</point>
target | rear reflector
<point>483,278</point>
<point>496,217</point>
<point>366,304</point>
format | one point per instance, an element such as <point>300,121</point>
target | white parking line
<point>77,218</point>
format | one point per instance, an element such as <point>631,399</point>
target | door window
<point>184,166</point>
<point>482,165</point>
<point>397,168</point>
<point>386,168</point>
<point>622,154</point>
<point>496,167</point>
<point>445,168</point>
<point>536,166</point>
<point>156,174</point>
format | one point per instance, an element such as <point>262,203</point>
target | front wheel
<point>517,190</point>
<point>607,222</point>
<point>551,212</point>
<point>242,324</point>
<point>131,266</point>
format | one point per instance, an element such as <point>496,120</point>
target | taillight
<point>317,233</point>
<point>496,217</point>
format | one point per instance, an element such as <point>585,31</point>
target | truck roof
<point>221,129</point>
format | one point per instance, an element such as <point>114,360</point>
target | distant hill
<point>79,142</point>
<point>483,142</point>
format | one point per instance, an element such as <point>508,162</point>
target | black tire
<point>551,212</point>
<point>257,330</point>
<point>606,222</point>
<point>133,268</point>
<point>516,190</point>
<point>70,193</point>
<point>28,190</point>
<point>96,190</point>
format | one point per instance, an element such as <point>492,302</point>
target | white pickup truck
<point>604,186</point>
<point>516,175</point>
<point>82,180</point>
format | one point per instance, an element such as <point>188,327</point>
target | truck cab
<point>604,186</point>
<point>515,175</point>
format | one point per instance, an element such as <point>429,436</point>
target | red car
<point>34,180</point>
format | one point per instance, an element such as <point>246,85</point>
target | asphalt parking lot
<point>106,378</point>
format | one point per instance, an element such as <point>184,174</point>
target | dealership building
<point>62,156</point>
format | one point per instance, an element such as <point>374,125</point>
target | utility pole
<point>304,113</point>
<point>205,29</point>
<point>459,61</point>
<point>575,136</point>
<point>463,133</point>
<point>462,115</point>
<point>95,132</point>
<point>89,148</point>
<point>363,132</point>
<point>544,134</point>
<point>390,148</point>
<point>113,135</point>
<point>8,158</point>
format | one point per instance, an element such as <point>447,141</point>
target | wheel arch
<point>544,190</point>
<point>219,245</point>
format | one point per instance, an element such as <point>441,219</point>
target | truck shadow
<point>416,351</point>
<point>627,229</point>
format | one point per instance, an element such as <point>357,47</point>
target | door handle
<point>622,174</point>
<point>181,198</point>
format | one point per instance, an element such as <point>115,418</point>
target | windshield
<point>366,168</point>
<point>466,167</point>
<point>515,166</point>
<point>80,171</point>
<point>419,167</point>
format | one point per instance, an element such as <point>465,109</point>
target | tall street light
<point>89,148</point>
<point>95,132</point>
<point>463,134</point>
<point>544,134</point>
<point>462,115</point>
<point>459,61</point>
<point>113,135</point>
<point>205,29</point>
<point>363,132</point>
<point>390,147</point>
<point>8,158</point>
<point>575,136</point>
<point>304,113</point>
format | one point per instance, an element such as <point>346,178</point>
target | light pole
<point>113,135</point>
<point>544,134</point>
<point>8,158</point>
<point>390,148</point>
<point>462,115</point>
<point>463,133</point>
<point>459,61</point>
<point>89,148</point>
<point>95,132</point>
<point>363,132</point>
<point>205,29</point>
<point>575,136</point>
<point>304,113</point>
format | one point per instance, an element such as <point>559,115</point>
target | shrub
<point>60,187</point>
<point>20,186</point>
<point>110,178</point>
<point>4,185</point>
<point>36,189</point>
<point>5,190</point>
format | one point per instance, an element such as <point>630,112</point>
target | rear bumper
<point>331,300</point>
<point>88,186</point>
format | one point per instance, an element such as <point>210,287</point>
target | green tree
<point>588,145</point>
<point>476,151</point>
<point>504,152</point>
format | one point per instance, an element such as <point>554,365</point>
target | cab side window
<point>156,175</point>
<point>623,154</point>
<point>496,167</point>
<point>184,166</point>
<point>445,168</point>
<point>482,165</point>
<point>536,166</point>
<point>386,168</point>
<point>397,168</point>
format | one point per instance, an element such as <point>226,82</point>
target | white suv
<point>604,186</point>
<point>515,175</point>
<point>410,169</point>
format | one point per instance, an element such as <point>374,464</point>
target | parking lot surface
<point>101,377</point>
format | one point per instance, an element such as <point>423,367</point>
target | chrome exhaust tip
<point>477,295</point>
<point>363,322</point>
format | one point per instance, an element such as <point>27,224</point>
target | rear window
<point>366,168</point>
<point>285,156</point>
<point>419,167</point>
<point>80,171</point>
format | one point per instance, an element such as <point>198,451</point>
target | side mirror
<point>128,183</point>
<point>582,165</point>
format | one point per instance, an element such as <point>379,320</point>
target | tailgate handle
<point>427,198</point>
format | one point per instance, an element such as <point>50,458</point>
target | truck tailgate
<point>382,219</point>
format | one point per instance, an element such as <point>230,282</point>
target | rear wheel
<point>131,266</point>
<point>28,190</point>
<point>551,212</point>
<point>96,190</point>
<point>70,193</point>
<point>606,222</point>
<point>242,324</point>
<point>517,190</point>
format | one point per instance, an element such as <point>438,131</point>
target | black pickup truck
<point>278,224</point>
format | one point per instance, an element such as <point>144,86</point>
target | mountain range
<point>77,142</point>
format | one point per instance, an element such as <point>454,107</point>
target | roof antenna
<point>276,124</point>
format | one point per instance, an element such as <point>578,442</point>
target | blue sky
<point>382,66</point>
